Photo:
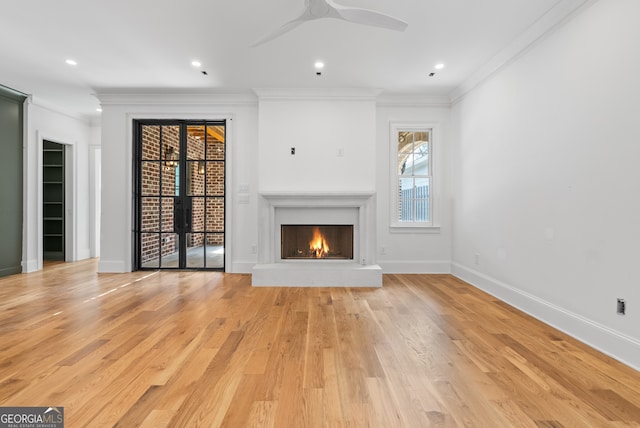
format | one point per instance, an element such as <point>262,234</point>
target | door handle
<point>182,216</point>
<point>188,211</point>
<point>177,217</point>
<point>187,220</point>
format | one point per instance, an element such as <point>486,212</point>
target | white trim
<point>113,266</point>
<point>413,267</point>
<point>242,266</point>
<point>343,94</point>
<point>30,266</point>
<point>178,99</point>
<point>411,228</point>
<point>394,100</point>
<point>95,165</point>
<point>269,201</point>
<point>608,341</point>
<point>70,196</point>
<point>70,202</point>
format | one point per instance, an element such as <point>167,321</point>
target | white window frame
<point>395,222</point>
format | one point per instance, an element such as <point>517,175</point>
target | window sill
<point>413,228</point>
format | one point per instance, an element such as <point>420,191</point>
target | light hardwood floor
<point>188,349</point>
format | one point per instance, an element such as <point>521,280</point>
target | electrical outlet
<point>293,150</point>
<point>476,259</point>
<point>622,307</point>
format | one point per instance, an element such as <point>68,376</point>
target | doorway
<point>53,201</point>
<point>180,194</point>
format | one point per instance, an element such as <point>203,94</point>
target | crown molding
<point>546,25</point>
<point>169,98</point>
<point>344,94</point>
<point>40,103</point>
<point>413,101</point>
<point>13,94</point>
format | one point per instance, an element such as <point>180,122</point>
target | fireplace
<point>347,221</point>
<point>316,242</point>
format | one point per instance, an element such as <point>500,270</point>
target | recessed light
<point>99,109</point>
<point>319,65</point>
<point>196,64</point>
<point>71,62</point>
<point>439,66</point>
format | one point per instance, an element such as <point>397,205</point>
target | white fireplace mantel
<point>272,271</point>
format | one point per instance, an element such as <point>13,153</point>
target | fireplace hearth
<point>316,242</point>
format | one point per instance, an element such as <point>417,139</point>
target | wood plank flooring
<point>198,349</point>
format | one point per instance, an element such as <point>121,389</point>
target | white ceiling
<point>148,45</point>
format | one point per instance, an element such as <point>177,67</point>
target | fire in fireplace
<point>302,241</point>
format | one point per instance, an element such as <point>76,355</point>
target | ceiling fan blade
<point>368,17</point>
<point>285,28</point>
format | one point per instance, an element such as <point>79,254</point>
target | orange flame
<point>318,245</point>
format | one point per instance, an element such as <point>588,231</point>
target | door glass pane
<point>150,142</point>
<point>170,180</point>
<point>170,248</point>
<point>150,178</point>
<point>215,250</point>
<point>167,210</point>
<point>195,250</point>
<point>195,142</point>
<point>197,214</point>
<point>150,250</point>
<point>150,215</point>
<point>195,177</point>
<point>215,142</point>
<point>171,159</point>
<point>215,178</point>
<point>215,215</point>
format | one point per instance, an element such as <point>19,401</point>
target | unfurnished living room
<point>310,213</point>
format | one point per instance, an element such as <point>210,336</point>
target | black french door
<point>180,194</point>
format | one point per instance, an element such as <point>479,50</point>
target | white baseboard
<point>113,266</point>
<point>434,266</point>
<point>241,267</point>
<point>84,253</point>
<point>608,341</point>
<point>30,266</point>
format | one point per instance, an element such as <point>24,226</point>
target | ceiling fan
<point>316,9</point>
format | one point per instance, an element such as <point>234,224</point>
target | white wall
<point>42,123</point>
<point>414,250</point>
<point>340,146</point>
<point>119,111</point>
<point>547,179</point>
<point>334,139</point>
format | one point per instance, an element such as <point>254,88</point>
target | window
<point>412,175</point>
